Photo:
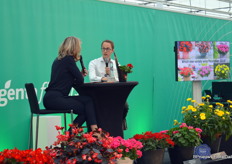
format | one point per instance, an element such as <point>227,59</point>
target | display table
<point>109,100</point>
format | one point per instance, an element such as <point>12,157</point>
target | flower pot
<point>223,55</point>
<point>205,78</point>
<point>123,76</point>
<point>186,78</point>
<point>126,160</point>
<point>185,55</point>
<point>226,145</point>
<point>179,154</point>
<point>203,55</point>
<point>213,144</point>
<point>151,157</point>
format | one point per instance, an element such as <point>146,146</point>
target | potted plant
<point>203,48</point>
<point>204,71</point>
<point>80,147</point>
<point>130,149</point>
<point>223,49</point>
<point>186,72</point>
<point>184,135</point>
<point>185,47</point>
<point>222,71</point>
<point>125,69</point>
<point>214,120</point>
<point>185,138</point>
<point>153,146</point>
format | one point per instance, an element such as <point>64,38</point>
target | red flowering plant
<point>126,68</point>
<point>10,156</point>
<point>80,147</point>
<point>185,46</point>
<point>203,47</point>
<point>184,135</point>
<point>130,148</point>
<point>153,141</point>
<point>186,71</point>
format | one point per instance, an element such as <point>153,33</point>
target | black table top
<point>103,84</point>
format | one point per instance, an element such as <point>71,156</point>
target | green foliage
<point>185,136</point>
<point>222,71</point>
<point>153,141</point>
<point>215,51</point>
<point>213,120</point>
<point>126,68</point>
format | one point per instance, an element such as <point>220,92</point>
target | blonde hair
<point>71,46</point>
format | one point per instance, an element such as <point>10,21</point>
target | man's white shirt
<point>97,69</point>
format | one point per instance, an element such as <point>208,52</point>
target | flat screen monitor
<point>202,60</point>
<point>222,89</point>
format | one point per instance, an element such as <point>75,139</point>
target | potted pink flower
<point>204,71</point>
<point>129,148</point>
<point>184,135</point>
<point>185,138</point>
<point>223,49</point>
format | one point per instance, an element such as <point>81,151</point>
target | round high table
<point>109,100</point>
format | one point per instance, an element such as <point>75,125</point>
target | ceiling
<point>213,8</point>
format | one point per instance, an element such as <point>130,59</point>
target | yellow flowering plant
<point>222,71</point>
<point>214,119</point>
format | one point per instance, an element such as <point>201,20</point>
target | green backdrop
<point>31,32</point>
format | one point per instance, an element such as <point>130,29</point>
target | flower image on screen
<point>202,60</point>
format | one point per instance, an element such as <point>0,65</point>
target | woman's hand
<point>84,72</point>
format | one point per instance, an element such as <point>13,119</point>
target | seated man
<point>104,69</point>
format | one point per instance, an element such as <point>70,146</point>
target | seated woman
<point>64,74</point>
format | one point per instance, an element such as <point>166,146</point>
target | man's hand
<point>107,70</point>
<point>104,79</point>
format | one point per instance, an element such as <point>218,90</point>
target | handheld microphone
<point>106,61</point>
<point>82,64</point>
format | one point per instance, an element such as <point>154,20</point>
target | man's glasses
<point>106,49</point>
